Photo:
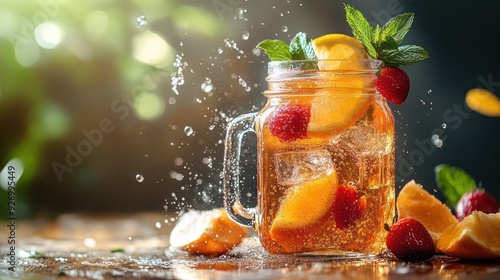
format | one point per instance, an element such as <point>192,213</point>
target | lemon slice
<point>206,232</point>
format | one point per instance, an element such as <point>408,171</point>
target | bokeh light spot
<point>48,35</point>
<point>150,48</point>
<point>149,106</point>
<point>96,24</point>
<point>27,52</point>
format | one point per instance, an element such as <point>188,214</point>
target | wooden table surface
<point>82,247</point>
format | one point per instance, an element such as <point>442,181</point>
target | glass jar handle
<point>232,155</point>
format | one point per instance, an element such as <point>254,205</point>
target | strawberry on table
<point>408,240</point>
<point>477,200</point>
<point>460,191</point>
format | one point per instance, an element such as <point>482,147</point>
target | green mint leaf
<point>376,36</point>
<point>361,29</point>
<point>383,42</point>
<point>397,27</point>
<point>301,47</point>
<point>454,182</point>
<point>277,50</point>
<point>389,44</point>
<point>404,55</point>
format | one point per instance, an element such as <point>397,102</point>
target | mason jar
<point>325,160</point>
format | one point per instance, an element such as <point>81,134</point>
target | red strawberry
<point>393,83</point>
<point>475,200</point>
<point>349,206</point>
<point>289,122</point>
<point>409,241</point>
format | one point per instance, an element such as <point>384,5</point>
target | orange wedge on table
<point>415,202</point>
<point>304,205</point>
<point>206,232</point>
<point>477,236</point>
<point>333,110</point>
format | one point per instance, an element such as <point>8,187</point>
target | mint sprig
<point>383,42</point>
<point>300,48</point>
<point>276,49</point>
<point>454,182</point>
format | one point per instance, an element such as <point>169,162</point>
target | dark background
<point>86,79</point>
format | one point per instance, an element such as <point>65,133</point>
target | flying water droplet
<point>245,35</point>
<point>220,50</point>
<point>284,28</point>
<point>443,125</point>
<point>139,178</point>
<point>436,141</point>
<point>142,20</point>
<point>188,130</point>
<point>207,85</point>
<point>256,51</point>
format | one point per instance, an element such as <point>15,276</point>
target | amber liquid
<point>361,154</point>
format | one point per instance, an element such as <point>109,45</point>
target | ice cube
<point>298,167</point>
<point>362,138</point>
<point>361,154</point>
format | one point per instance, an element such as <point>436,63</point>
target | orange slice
<point>331,113</point>
<point>206,232</point>
<point>339,47</point>
<point>475,237</point>
<point>415,202</point>
<point>305,205</point>
<point>344,101</point>
<point>483,101</point>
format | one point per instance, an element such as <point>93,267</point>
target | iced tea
<point>325,160</point>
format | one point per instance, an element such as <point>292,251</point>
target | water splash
<point>232,45</point>
<point>177,78</point>
<point>244,84</point>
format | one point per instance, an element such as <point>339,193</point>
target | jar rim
<point>287,67</point>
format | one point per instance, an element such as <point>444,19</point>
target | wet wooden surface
<point>136,247</point>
